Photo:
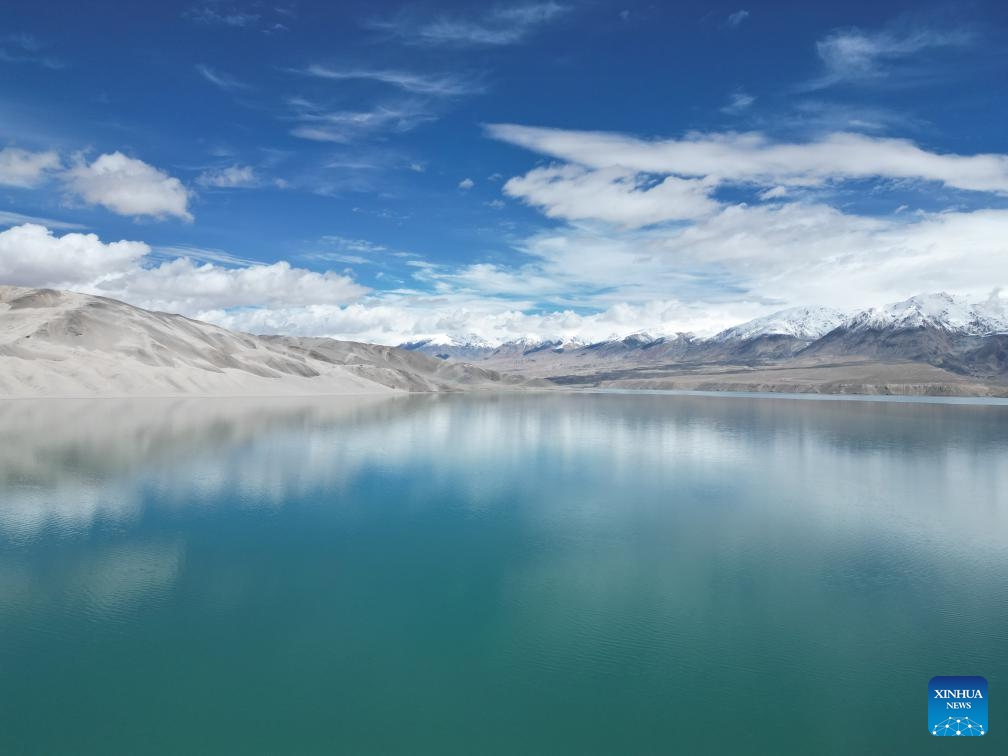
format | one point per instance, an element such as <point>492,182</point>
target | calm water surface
<point>549,574</point>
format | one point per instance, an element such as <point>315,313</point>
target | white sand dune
<point>57,343</point>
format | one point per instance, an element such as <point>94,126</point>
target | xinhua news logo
<point>957,706</point>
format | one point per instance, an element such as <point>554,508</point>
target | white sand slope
<point>55,343</point>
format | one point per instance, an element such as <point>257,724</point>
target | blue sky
<point>395,171</point>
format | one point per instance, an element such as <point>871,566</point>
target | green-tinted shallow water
<point>550,574</point>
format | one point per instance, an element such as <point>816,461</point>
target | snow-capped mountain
<point>468,340</point>
<point>775,336</point>
<point>943,311</point>
<point>461,347</point>
<point>807,323</point>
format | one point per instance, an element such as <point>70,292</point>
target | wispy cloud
<point>502,25</point>
<point>220,79</point>
<point>441,85</point>
<point>854,55</point>
<point>827,117</point>
<point>201,254</point>
<point>353,245</point>
<point>221,14</point>
<point>230,177</point>
<point>344,126</point>
<point>8,218</point>
<point>347,250</point>
<point>735,19</point>
<point>738,102</point>
<point>27,48</point>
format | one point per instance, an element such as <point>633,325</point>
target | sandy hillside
<point>55,343</point>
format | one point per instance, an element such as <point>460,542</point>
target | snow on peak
<point>801,322</point>
<point>940,310</point>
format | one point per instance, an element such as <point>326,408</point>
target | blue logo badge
<point>957,706</point>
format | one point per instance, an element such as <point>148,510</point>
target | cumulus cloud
<point>741,262</point>
<point>649,242</point>
<point>25,169</point>
<point>183,286</point>
<point>755,158</point>
<point>401,319</point>
<point>31,255</point>
<point>466,184</point>
<point>128,186</point>
<point>584,279</point>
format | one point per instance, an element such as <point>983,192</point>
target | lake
<point>505,574</point>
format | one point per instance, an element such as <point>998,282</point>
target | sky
<point>391,172</point>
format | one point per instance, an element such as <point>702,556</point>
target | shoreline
<point>974,400</point>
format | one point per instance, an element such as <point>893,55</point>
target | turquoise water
<point>547,574</point>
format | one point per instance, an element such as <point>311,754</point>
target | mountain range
<point>930,343</point>
<point>57,343</point>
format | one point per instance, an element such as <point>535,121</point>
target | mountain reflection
<point>66,463</point>
<point>448,558</point>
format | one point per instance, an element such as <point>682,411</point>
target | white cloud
<point>854,55</point>
<point>26,48</point>
<point>466,184</point>
<point>344,249</point>
<point>502,25</point>
<point>31,255</point>
<point>739,263</point>
<point>25,169</point>
<point>738,102</point>
<point>128,186</point>
<point>588,279</point>
<point>231,177</point>
<point>735,19</point>
<point>219,14</point>
<point>184,286</point>
<point>649,243</point>
<point>220,79</point>
<point>754,158</point>
<point>395,320</point>
<point>612,194</point>
<point>8,218</point>
<point>774,193</point>
<point>353,245</point>
<point>443,85</point>
<point>344,126</point>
